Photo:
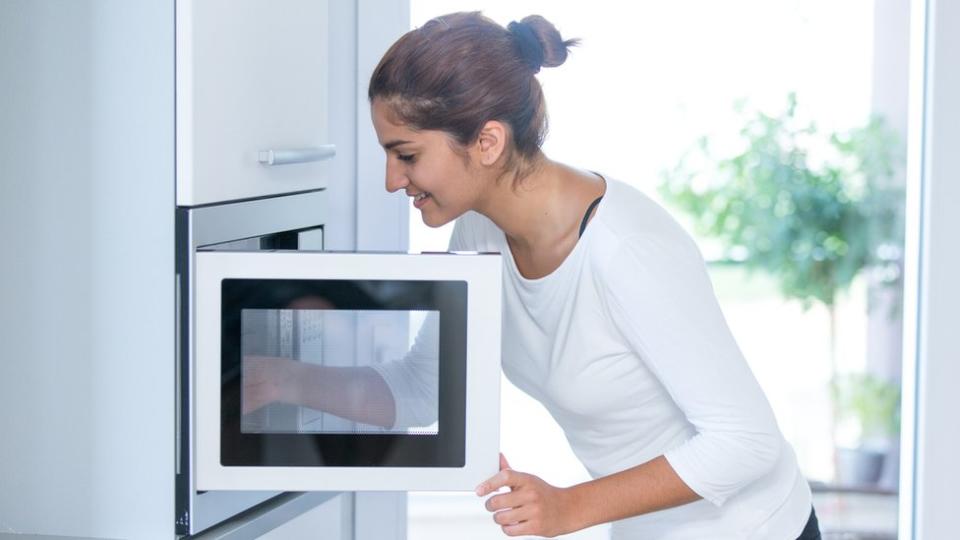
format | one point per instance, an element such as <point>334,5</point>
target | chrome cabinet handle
<point>297,155</point>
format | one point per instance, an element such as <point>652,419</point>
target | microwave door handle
<point>297,155</point>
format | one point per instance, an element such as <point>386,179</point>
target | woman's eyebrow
<point>391,144</point>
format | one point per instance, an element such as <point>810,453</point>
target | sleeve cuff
<point>680,460</point>
<point>409,409</point>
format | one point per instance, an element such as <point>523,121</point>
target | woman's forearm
<point>645,488</point>
<point>355,393</point>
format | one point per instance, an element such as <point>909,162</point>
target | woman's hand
<point>266,380</point>
<point>532,506</point>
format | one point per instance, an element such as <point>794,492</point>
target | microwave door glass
<point>349,355</point>
<point>330,372</point>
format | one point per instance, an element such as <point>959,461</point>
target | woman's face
<point>441,182</point>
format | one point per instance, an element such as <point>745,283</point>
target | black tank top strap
<point>586,216</point>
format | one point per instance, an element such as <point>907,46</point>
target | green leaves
<point>871,402</point>
<point>808,209</point>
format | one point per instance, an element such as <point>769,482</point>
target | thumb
<point>503,462</point>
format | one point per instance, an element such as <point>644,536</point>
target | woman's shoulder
<point>628,210</point>
<point>629,214</point>
<point>632,224</point>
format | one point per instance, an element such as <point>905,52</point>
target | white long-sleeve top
<point>626,346</point>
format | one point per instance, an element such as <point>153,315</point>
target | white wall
<point>86,281</point>
<point>382,218</point>
<point>933,338</point>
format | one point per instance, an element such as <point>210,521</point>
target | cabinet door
<point>328,521</point>
<point>287,400</point>
<point>252,98</point>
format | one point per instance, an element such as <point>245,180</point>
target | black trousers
<point>812,530</point>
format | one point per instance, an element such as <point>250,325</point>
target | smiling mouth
<point>420,199</point>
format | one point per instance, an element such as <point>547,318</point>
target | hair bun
<point>531,50</point>
<point>540,43</point>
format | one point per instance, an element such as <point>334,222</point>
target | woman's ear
<point>492,142</point>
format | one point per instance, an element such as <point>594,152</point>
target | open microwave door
<point>320,371</point>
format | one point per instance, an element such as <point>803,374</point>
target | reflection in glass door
<point>328,338</point>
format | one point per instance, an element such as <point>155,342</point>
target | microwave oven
<point>383,367</point>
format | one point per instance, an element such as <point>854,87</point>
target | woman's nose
<point>395,180</point>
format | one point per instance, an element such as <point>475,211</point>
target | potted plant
<point>811,210</point>
<point>867,412</point>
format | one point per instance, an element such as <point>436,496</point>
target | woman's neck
<point>528,211</point>
<point>541,215</point>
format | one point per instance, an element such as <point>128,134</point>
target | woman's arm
<point>645,488</point>
<point>659,297</point>
<point>356,393</point>
<point>535,507</point>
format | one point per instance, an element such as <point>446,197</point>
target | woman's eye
<point>405,157</point>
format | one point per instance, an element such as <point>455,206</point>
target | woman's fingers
<point>512,499</point>
<point>531,507</point>
<point>505,478</point>
<point>518,529</point>
<point>509,517</point>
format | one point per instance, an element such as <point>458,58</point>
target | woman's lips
<point>420,200</point>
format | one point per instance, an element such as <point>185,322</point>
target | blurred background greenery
<point>812,211</point>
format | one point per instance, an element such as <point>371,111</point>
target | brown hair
<point>459,71</point>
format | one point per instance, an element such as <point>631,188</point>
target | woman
<point>609,316</point>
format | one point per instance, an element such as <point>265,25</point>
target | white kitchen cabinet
<point>96,81</point>
<point>332,520</point>
<point>252,98</point>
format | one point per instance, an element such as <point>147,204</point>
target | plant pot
<point>859,466</point>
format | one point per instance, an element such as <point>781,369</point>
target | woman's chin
<point>433,220</point>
